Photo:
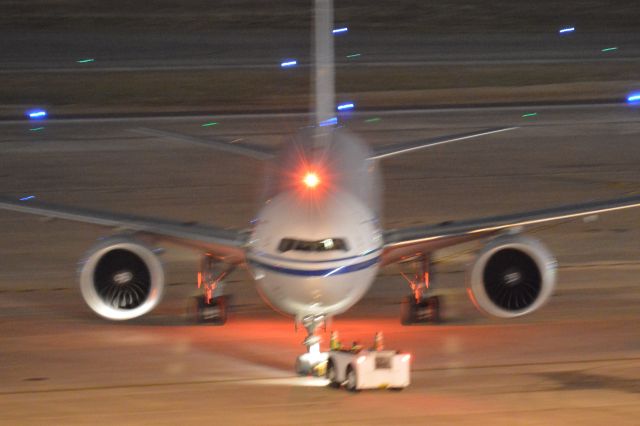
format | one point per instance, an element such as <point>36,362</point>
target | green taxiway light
<point>609,49</point>
<point>212,123</point>
<point>531,114</point>
<point>36,129</point>
<point>84,61</point>
<point>353,55</point>
<point>372,120</point>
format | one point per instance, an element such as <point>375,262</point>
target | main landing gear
<point>313,362</point>
<point>212,311</point>
<point>212,306</point>
<point>420,306</point>
<point>426,310</point>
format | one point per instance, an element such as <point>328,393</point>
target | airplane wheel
<point>408,310</point>
<point>303,368</point>
<point>215,312</point>
<point>432,309</point>
<point>427,311</point>
<point>352,380</point>
<point>331,375</point>
<point>223,309</point>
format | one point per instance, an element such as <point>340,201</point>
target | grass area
<point>451,16</point>
<point>253,89</point>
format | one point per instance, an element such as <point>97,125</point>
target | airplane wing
<point>402,148</point>
<point>253,151</point>
<point>404,243</point>
<point>225,243</point>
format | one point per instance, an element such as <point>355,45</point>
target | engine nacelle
<point>121,278</point>
<point>512,275</point>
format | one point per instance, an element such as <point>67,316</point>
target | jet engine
<point>121,278</point>
<point>512,275</point>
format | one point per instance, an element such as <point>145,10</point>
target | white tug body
<point>369,369</point>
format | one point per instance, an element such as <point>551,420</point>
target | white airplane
<point>317,245</point>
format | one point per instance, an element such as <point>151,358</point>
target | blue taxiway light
<point>344,107</point>
<point>30,197</point>
<point>634,97</point>
<point>36,114</point>
<point>567,30</point>
<point>330,122</point>
<point>291,63</point>
<point>340,30</point>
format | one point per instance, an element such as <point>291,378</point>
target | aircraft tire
<point>432,305</point>
<point>302,367</point>
<point>408,310</point>
<point>331,375</point>
<point>352,380</point>
<point>203,314</point>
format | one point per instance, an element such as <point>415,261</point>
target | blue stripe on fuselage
<point>345,269</point>
<point>263,255</point>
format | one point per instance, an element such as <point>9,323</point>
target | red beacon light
<point>311,180</point>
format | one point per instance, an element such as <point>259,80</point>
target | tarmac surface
<point>57,51</point>
<point>575,361</point>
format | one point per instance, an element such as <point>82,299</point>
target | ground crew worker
<point>334,343</point>
<point>378,342</point>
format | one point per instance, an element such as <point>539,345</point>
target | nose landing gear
<point>421,306</point>
<point>212,306</point>
<point>313,362</point>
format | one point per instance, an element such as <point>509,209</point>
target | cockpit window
<point>320,245</point>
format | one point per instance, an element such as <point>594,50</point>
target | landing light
<point>311,180</point>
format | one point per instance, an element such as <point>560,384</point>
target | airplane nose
<point>295,295</point>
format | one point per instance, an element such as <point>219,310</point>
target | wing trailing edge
<point>406,147</point>
<point>400,243</point>
<point>225,243</point>
<point>247,150</point>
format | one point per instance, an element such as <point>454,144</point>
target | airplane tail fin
<point>324,64</point>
